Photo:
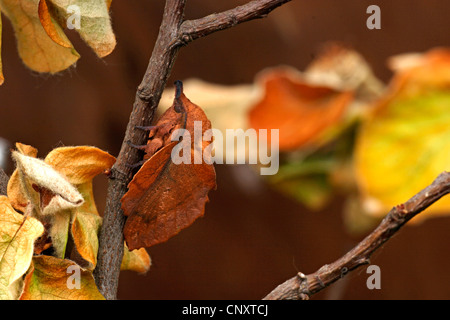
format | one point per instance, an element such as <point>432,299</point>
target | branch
<point>173,34</point>
<point>194,29</point>
<point>301,287</point>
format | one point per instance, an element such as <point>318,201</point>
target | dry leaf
<point>136,260</point>
<point>50,26</point>
<point>85,228</point>
<point>342,68</point>
<point>163,198</point>
<point>37,50</point>
<point>17,236</point>
<point>79,164</point>
<point>61,195</point>
<point>57,279</point>
<point>59,232</point>
<point>39,28</point>
<point>95,25</point>
<point>302,112</point>
<point>14,189</point>
<point>405,143</point>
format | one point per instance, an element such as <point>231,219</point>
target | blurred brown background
<point>251,238</point>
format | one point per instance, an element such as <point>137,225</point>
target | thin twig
<point>302,286</point>
<point>173,34</point>
<point>194,29</point>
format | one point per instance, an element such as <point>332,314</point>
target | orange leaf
<point>301,111</point>
<point>163,198</point>
<point>50,27</point>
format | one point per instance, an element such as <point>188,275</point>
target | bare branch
<point>194,29</point>
<point>301,287</point>
<point>170,40</point>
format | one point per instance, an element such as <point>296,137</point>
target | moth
<point>163,197</point>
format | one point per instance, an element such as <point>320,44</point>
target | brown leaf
<point>301,111</point>
<point>163,198</point>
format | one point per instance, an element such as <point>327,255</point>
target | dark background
<point>251,239</point>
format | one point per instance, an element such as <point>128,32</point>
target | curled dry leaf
<point>84,230</point>
<point>78,166</point>
<point>136,260</point>
<point>163,198</point>
<point>58,230</point>
<point>58,279</point>
<point>51,27</point>
<point>55,192</point>
<point>36,49</point>
<point>39,28</point>
<point>94,25</point>
<point>302,112</point>
<point>404,144</point>
<point>17,234</point>
<point>14,189</point>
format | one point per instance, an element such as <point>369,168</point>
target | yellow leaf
<point>95,25</point>
<point>137,260</point>
<point>27,150</point>
<point>404,145</point>
<point>86,190</point>
<point>59,232</point>
<point>79,164</point>
<point>37,50</point>
<point>57,279</point>
<point>85,228</point>
<point>17,236</point>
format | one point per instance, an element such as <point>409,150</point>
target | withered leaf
<point>50,278</point>
<point>301,111</point>
<point>163,198</point>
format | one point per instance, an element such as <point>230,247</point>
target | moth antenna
<point>135,165</point>
<point>146,128</point>
<point>178,88</point>
<point>178,104</point>
<point>135,146</point>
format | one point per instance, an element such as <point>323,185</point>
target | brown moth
<point>163,198</point>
